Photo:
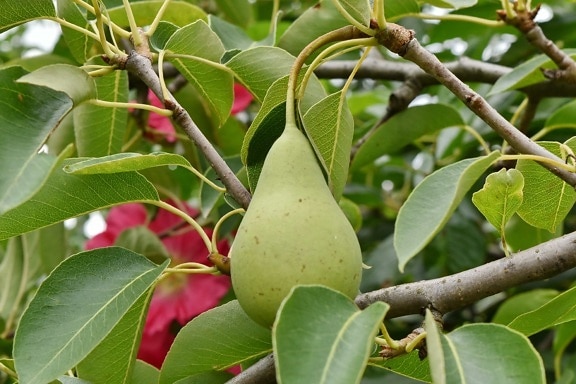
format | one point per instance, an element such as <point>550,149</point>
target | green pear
<point>293,233</point>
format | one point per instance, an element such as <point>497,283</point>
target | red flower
<point>242,99</point>
<point>180,297</point>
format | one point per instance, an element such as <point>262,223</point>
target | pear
<point>293,233</point>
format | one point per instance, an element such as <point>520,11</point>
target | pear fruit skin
<point>293,233</point>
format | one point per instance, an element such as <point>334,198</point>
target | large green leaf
<point>527,73</point>
<point>431,203</point>
<point>559,310</point>
<point>18,12</point>
<point>99,130</point>
<point>547,198</point>
<point>320,336</point>
<point>523,303</point>
<point>113,360</point>
<point>78,43</point>
<point>125,162</point>
<point>482,353</point>
<point>28,114</point>
<point>195,41</point>
<point>500,197</point>
<point>215,340</point>
<point>76,307</point>
<point>259,67</point>
<point>330,127</point>
<point>405,127</point>
<point>64,196</point>
<point>178,12</point>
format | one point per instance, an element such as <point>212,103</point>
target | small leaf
<point>24,127</point>
<point>64,196</point>
<point>559,310</point>
<point>99,130</point>
<point>197,40</point>
<point>320,336</point>
<point>18,12</point>
<point>500,197</point>
<point>76,307</point>
<point>330,127</point>
<point>405,127</point>
<point>431,203</point>
<point>527,73</point>
<point>482,353</point>
<point>125,162</point>
<point>215,340</point>
<point>547,198</point>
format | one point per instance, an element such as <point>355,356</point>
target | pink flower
<point>180,297</point>
<point>160,125</point>
<point>242,99</point>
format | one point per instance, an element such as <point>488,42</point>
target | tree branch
<point>141,67</point>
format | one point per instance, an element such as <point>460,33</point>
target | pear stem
<point>345,33</point>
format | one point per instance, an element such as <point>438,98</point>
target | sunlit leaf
<point>320,336</point>
<point>482,353</point>
<point>330,126</point>
<point>33,113</point>
<point>500,197</point>
<point>68,317</point>
<point>215,340</point>
<point>560,309</point>
<point>125,162</point>
<point>547,198</point>
<point>64,196</point>
<point>184,49</point>
<point>431,203</point>
<point>18,12</point>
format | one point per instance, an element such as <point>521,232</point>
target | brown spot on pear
<point>293,233</point>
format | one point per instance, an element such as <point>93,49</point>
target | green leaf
<point>64,196</point>
<point>500,197</point>
<point>259,67</point>
<point>99,130</point>
<point>314,22</point>
<point>162,34</point>
<point>527,73</point>
<point>78,43</point>
<point>76,307</point>
<point>237,11</point>
<point>320,336</point>
<point>330,127</point>
<point>144,373</point>
<point>563,117</point>
<point>564,335</point>
<point>269,124</point>
<point>215,340</point>
<point>33,114</point>
<point>360,10</point>
<point>522,303</point>
<point>394,135</point>
<point>142,240</point>
<point>455,4</point>
<point>18,12</point>
<point>409,365</point>
<point>196,41</point>
<point>395,9</point>
<point>547,198</point>
<point>232,36</point>
<point>212,377</point>
<point>560,309</point>
<point>482,353</point>
<point>125,162</point>
<point>431,203</point>
<point>71,80</point>
<point>521,235</point>
<point>180,13</point>
<point>113,360</point>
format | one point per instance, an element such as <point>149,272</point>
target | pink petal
<point>119,218</point>
<point>154,347</point>
<point>159,123</point>
<point>242,99</point>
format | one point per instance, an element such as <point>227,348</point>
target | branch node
<point>395,37</point>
